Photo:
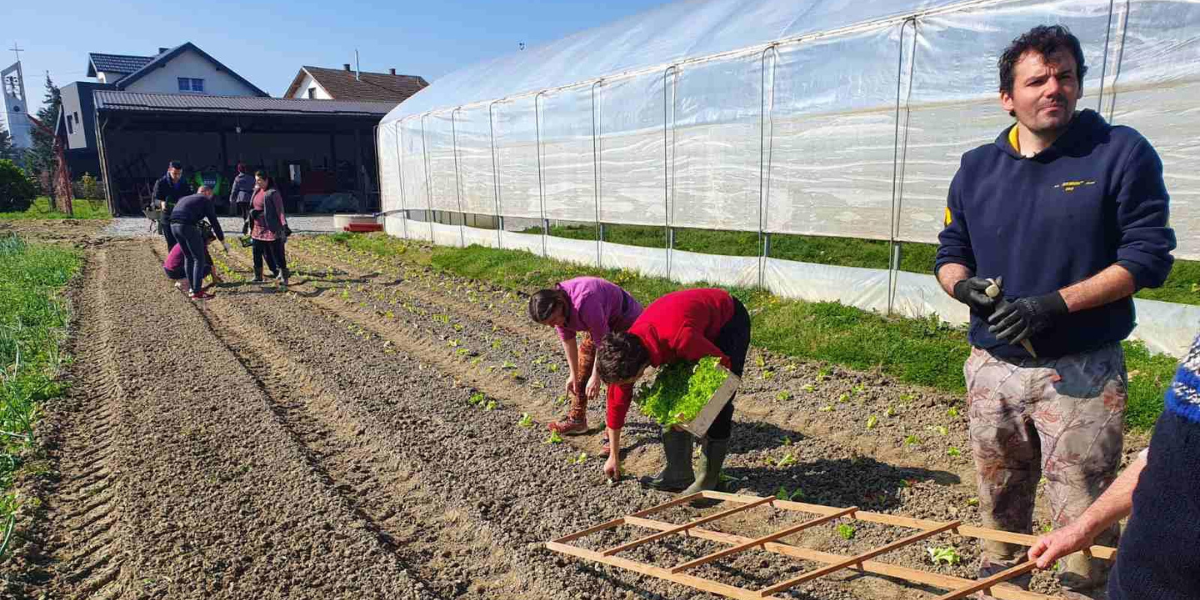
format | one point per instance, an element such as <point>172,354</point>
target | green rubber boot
<point>708,469</point>
<point>677,474</point>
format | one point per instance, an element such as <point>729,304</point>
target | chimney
<point>346,66</point>
<point>162,50</point>
<point>392,71</point>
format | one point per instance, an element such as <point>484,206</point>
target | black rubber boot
<point>708,468</point>
<point>677,474</point>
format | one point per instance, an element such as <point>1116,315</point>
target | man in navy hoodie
<point>168,190</point>
<point>1069,216</point>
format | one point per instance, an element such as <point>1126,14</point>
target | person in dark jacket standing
<point>185,224</point>
<point>687,325</point>
<point>168,190</point>
<point>1048,233</point>
<point>242,193</point>
<point>269,230</point>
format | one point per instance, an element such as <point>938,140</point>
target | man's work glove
<point>1024,318</point>
<point>972,292</point>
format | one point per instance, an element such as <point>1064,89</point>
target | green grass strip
<point>924,352</point>
<point>33,322</point>
<point>42,209</point>
<point>1182,286</point>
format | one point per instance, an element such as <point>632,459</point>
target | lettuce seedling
<point>948,555</point>
<point>525,420</point>
<point>681,391</point>
<point>846,530</point>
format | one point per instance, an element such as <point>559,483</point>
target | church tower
<point>13,103</point>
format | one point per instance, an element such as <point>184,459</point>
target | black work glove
<point>971,291</point>
<point>1024,318</point>
<point>255,214</point>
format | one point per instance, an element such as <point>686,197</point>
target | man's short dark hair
<point>620,356</point>
<point>175,165</point>
<point>1045,40</point>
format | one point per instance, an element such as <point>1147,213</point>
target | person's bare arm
<point>1109,285</point>
<point>1115,504</point>
<point>950,274</point>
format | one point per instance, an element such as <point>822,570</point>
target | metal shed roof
<point>115,101</point>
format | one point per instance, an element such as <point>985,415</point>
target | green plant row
<point>33,321</point>
<point>925,352</point>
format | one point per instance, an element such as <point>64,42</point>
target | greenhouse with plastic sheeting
<point>829,119</point>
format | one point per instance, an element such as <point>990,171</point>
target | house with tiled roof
<point>183,69</point>
<point>318,83</point>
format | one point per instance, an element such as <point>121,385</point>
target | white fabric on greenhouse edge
<point>1163,326</point>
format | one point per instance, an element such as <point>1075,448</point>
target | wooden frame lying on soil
<point>957,586</point>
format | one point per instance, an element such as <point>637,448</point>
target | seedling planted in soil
<point>872,421</point>
<point>784,494</point>
<point>947,554</point>
<point>846,530</point>
<point>554,438</point>
<point>525,420</point>
<point>954,452</point>
<point>783,396</point>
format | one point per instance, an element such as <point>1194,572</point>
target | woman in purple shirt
<point>588,305</point>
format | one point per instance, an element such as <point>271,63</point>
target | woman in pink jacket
<point>269,230</point>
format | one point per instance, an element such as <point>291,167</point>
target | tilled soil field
<point>377,430</point>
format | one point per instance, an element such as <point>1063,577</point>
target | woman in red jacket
<point>681,326</point>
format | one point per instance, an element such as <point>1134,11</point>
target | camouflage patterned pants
<point>1060,419</point>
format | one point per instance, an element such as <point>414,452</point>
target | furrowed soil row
<point>837,475</point>
<point>82,553</point>
<point>176,458</point>
<point>914,427</point>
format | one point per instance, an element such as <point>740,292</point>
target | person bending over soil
<point>591,306</point>
<point>185,225</point>
<point>681,326</point>
<point>173,266</point>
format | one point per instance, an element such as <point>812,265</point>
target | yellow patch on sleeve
<point>949,218</point>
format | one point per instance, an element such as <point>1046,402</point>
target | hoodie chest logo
<point>1071,186</point>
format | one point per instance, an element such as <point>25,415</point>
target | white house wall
<point>310,83</point>
<point>189,64</point>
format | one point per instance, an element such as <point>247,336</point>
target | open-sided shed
<point>321,152</point>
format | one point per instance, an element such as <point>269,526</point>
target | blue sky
<point>267,42</point>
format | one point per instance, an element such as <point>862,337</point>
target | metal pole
<point>400,170</point>
<point>668,146</point>
<point>495,176</point>
<point>596,153</point>
<point>895,171</point>
<point>1112,106</point>
<point>537,128</point>
<point>462,236</point>
<point>765,148</point>
<point>1104,61</point>
<point>428,182</point>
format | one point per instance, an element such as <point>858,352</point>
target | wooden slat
<point>704,585</point>
<point>762,540</point>
<point>854,560</point>
<point>689,525</point>
<point>590,530</point>
<point>1101,552</point>
<point>986,584</point>
<point>945,582</point>
<point>676,502</point>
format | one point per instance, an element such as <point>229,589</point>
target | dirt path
<point>177,478</point>
<point>358,436</point>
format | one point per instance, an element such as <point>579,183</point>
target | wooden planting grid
<point>957,586</point>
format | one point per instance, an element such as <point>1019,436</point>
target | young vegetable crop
<point>681,391</point>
